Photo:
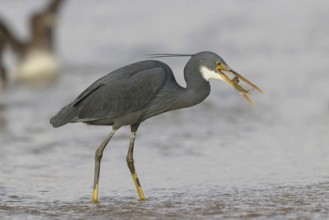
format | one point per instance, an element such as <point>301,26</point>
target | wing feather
<point>115,98</point>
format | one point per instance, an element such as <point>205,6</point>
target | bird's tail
<point>64,116</point>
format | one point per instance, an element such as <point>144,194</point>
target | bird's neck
<point>41,38</point>
<point>197,88</point>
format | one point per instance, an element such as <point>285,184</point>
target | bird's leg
<point>130,162</point>
<point>98,158</point>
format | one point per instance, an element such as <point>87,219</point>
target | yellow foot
<point>141,194</point>
<point>138,186</point>
<point>95,194</point>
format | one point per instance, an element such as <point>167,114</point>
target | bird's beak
<point>235,82</point>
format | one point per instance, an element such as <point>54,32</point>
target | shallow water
<point>221,159</point>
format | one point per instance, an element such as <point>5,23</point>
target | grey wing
<point>122,91</point>
<point>119,97</point>
<point>124,73</point>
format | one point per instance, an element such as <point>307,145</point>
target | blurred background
<point>221,159</point>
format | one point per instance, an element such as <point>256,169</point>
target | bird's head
<point>212,66</point>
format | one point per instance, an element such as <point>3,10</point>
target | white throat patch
<point>208,74</point>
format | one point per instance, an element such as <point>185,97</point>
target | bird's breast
<point>36,65</point>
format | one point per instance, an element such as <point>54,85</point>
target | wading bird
<point>134,93</point>
<point>35,57</point>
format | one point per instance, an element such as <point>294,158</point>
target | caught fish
<point>235,83</point>
<point>244,92</point>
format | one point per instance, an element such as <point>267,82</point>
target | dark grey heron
<point>36,57</point>
<point>134,93</point>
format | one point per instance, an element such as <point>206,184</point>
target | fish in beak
<point>235,81</point>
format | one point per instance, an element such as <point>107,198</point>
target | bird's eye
<point>218,63</point>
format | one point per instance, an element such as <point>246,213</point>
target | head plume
<point>160,55</point>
